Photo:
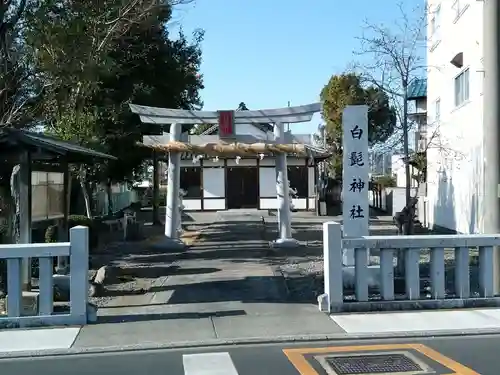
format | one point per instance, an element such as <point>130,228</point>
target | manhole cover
<point>373,364</point>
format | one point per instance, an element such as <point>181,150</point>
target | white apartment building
<point>454,109</point>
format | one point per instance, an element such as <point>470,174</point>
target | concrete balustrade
<point>334,273</point>
<point>78,252</point>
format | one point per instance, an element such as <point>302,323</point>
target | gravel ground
<point>304,276</point>
<point>303,270</point>
<point>135,267</point>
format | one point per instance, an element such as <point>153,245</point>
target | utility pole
<point>491,126</point>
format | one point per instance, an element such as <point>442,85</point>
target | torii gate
<point>226,120</point>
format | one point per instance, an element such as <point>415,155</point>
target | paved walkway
<point>224,287</point>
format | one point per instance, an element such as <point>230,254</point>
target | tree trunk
<point>109,195</point>
<point>16,214</point>
<point>86,197</point>
<point>408,227</point>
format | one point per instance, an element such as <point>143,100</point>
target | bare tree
<point>392,58</point>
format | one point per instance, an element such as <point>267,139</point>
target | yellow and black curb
<point>303,358</point>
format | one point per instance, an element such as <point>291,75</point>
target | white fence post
<point>438,282</point>
<point>79,265</point>
<point>14,287</point>
<point>462,272</point>
<point>387,274</point>
<point>332,258</point>
<point>486,269</point>
<point>46,285</point>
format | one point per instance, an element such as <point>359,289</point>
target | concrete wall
<point>455,175</point>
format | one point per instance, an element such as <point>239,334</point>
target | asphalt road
<point>459,355</point>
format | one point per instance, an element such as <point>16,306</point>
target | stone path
<point>228,263</point>
<point>225,286</point>
<point>232,261</point>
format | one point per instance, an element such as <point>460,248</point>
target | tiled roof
<point>22,139</point>
<point>417,89</point>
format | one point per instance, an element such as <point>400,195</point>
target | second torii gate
<point>227,120</point>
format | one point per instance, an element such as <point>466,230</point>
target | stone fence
<point>36,308</point>
<point>381,277</point>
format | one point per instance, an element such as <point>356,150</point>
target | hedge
<point>51,234</point>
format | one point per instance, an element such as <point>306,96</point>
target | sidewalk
<point>419,321</point>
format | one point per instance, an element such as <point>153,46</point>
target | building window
<point>462,88</point>
<point>47,200</point>
<point>435,23</point>
<point>191,182</point>
<point>459,7</point>
<point>298,175</point>
<point>437,109</point>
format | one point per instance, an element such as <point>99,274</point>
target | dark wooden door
<point>242,187</point>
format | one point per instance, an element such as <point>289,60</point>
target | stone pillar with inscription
<point>355,206</point>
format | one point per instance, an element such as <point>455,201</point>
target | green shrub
<point>136,206</point>
<point>52,235</point>
<point>385,181</point>
<point>74,220</point>
<point>4,226</point>
<point>93,225</point>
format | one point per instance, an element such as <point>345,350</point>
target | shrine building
<point>215,183</point>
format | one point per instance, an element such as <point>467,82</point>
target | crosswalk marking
<point>208,364</point>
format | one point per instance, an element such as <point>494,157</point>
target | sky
<point>267,53</point>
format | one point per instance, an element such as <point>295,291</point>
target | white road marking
<point>208,364</point>
<point>15,340</point>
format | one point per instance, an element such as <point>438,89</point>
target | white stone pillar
<point>355,203</point>
<point>283,195</point>
<point>172,214</point>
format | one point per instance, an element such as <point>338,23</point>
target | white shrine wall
<point>214,185</point>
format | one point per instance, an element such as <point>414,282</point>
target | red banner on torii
<point>226,124</point>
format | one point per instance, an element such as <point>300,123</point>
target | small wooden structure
<point>37,152</point>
